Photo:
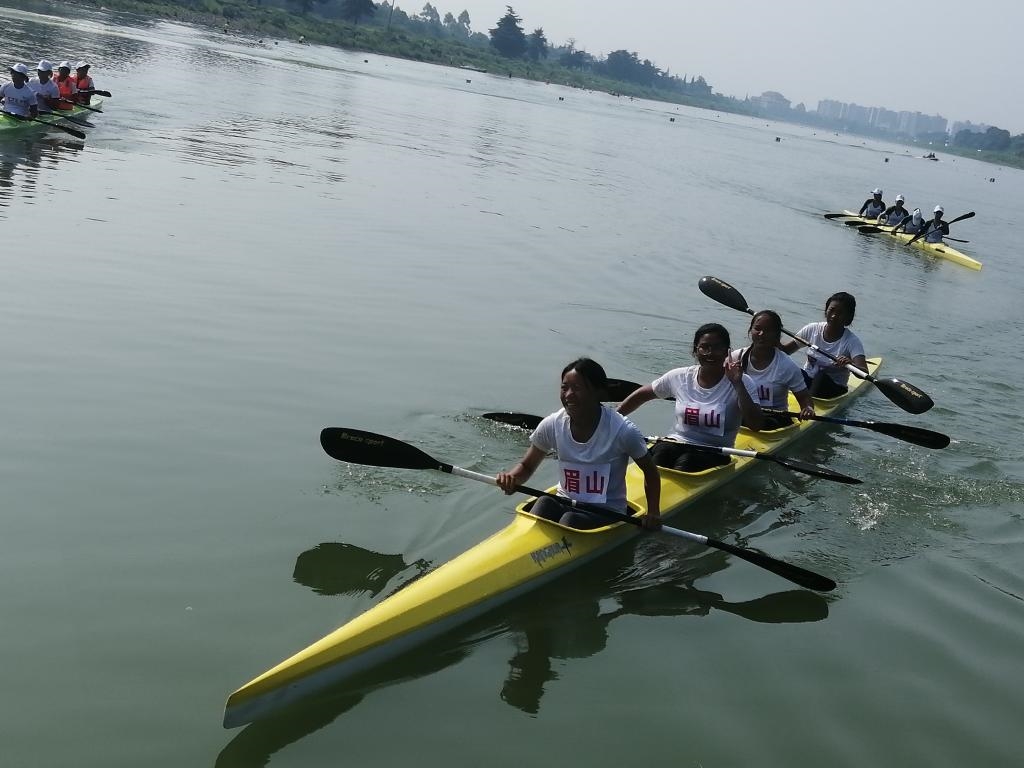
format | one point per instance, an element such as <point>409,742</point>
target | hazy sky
<point>961,59</point>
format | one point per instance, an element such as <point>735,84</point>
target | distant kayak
<point>938,250</point>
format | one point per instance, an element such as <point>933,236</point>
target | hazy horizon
<point>952,60</point>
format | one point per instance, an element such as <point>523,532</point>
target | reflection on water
<point>24,161</point>
<point>569,621</point>
<point>335,568</point>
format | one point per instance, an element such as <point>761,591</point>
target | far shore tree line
<point>506,48</point>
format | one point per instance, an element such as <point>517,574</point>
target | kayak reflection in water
<point>712,399</point>
<point>824,377</point>
<point>593,445</point>
<point>775,375</point>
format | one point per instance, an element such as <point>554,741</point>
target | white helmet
<point>899,198</point>
<point>876,191</point>
<point>917,215</point>
<point>939,209</point>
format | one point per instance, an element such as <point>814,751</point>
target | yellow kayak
<point>938,250</point>
<point>523,556</point>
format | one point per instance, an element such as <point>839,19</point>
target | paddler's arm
<point>803,397</point>
<point>636,398</point>
<point>522,471</point>
<point>652,490</point>
<point>751,412</point>
<point>789,347</point>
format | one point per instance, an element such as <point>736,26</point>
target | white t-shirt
<point>705,416</point>
<point>775,381</point>
<point>42,90</point>
<point>18,101</point>
<point>848,344</point>
<point>594,471</point>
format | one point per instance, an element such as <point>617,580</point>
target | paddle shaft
<point>868,229</point>
<point>902,393</point>
<point>924,230</point>
<point>83,106</point>
<point>923,437</point>
<point>361,447</point>
<point>530,422</point>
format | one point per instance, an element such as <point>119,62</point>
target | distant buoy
<point>671,119</point>
<point>887,159</point>
<point>468,80</point>
<point>777,138</point>
<point>561,98</point>
<point>366,61</point>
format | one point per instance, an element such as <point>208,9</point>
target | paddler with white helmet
<point>66,85</point>
<point>83,82</point>
<point>18,99</point>
<point>894,214</point>
<point>873,206</point>
<point>911,225</point>
<point>47,93</point>
<point>936,228</point>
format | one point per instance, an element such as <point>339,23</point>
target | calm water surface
<point>256,241</point>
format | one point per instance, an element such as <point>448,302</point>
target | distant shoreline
<point>262,22</point>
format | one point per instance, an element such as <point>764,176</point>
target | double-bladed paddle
<point>528,421</point>
<point>867,229</point>
<point>619,390</point>
<point>924,230</point>
<point>66,128</point>
<point>83,106</point>
<point>905,395</point>
<point>923,437</point>
<point>359,447</point>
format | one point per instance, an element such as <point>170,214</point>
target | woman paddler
<point>712,399</point>
<point>824,377</point>
<point>774,373</point>
<point>594,445</point>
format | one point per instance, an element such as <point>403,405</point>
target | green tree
<point>430,15</point>
<point>464,20</point>
<point>508,37</point>
<point>354,10</point>
<point>537,45</point>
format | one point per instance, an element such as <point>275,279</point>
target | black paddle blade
<point>794,573</point>
<point>969,215</point>
<point>854,223</point>
<point>836,215</point>
<point>926,438</point>
<point>810,469</point>
<point>359,447</point>
<point>521,420</point>
<point>723,293</point>
<point>67,129</point>
<point>906,396</point>
<point>869,230</point>
<point>618,390</point>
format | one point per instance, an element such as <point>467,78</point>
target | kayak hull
<point>12,127</point>
<point>938,250</point>
<point>523,556</point>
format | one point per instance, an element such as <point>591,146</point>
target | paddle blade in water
<point>521,420</point>
<point>793,573</point>
<point>811,469</point>
<point>359,447</point>
<point>723,293</point>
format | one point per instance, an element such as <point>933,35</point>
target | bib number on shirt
<point>586,482</point>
